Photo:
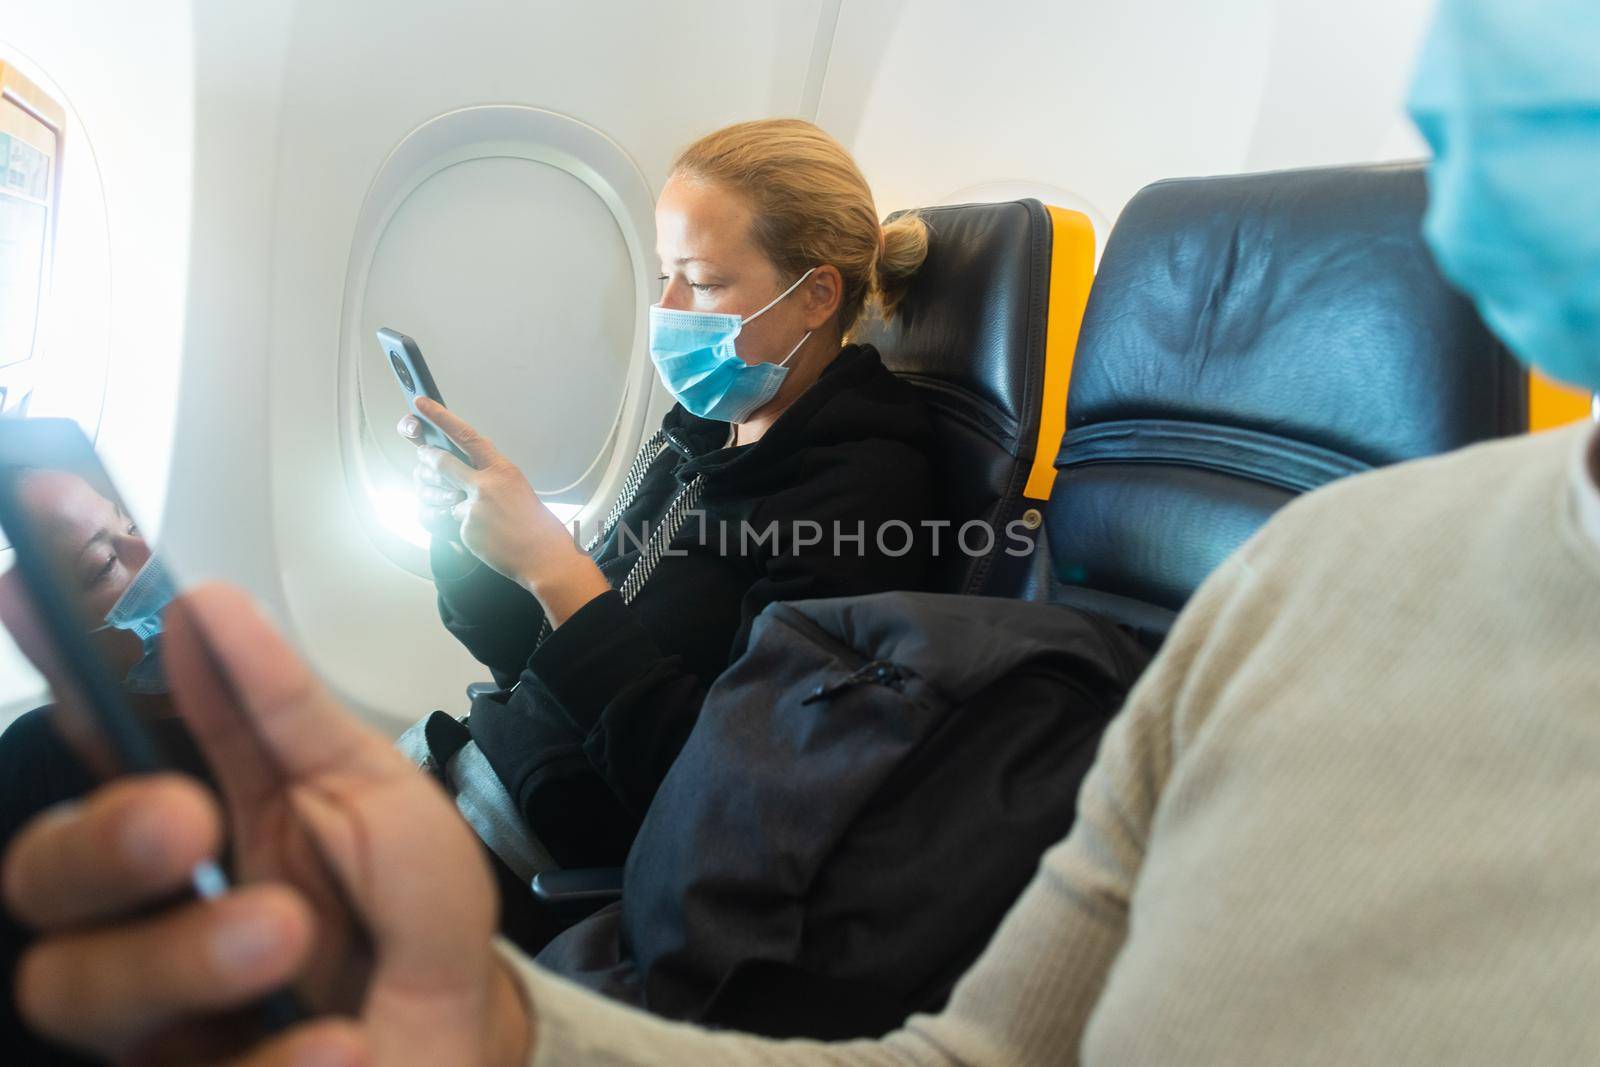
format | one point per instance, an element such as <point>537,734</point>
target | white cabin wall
<point>1102,98</point>
<point>219,507</point>
<point>1336,83</point>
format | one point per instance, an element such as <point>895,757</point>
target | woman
<point>783,436</point>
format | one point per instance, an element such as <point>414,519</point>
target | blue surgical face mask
<point>138,611</point>
<point>694,353</point>
<point>1508,96</point>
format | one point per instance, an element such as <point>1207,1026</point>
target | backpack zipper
<point>859,669</point>
<point>873,672</point>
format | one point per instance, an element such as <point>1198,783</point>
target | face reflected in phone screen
<point>89,603</point>
<point>115,589</point>
<point>115,581</point>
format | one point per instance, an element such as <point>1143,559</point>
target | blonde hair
<point>812,207</point>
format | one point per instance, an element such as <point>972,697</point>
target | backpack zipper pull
<point>876,672</point>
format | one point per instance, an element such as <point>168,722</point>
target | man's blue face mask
<point>1508,96</point>
<point>694,353</point>
<point>138,610</point>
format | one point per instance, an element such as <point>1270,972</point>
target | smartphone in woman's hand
<point>411,371</point>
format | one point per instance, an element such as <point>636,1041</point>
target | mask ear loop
<point>785,360</point>
<point>792,351</point>
<point>780,296</point>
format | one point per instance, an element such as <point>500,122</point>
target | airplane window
<point>513,279</point>
<point>31,128</point>
<point>512,244</point>
<point>54,254</point>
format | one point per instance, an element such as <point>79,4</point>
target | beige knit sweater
<point>1351,815</point>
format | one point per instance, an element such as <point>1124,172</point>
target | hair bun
<point>905,248</point>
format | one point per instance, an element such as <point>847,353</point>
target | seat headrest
<point>1249,338</point>
<point>973,308</point>
<point>973,333</point>
<point>1303,304</point>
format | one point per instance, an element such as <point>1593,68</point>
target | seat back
<point>987,331</point>
<point>1250,338</point>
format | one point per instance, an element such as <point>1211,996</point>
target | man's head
<point>1508,95</point>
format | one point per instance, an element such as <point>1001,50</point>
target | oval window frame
<point>490,131</point>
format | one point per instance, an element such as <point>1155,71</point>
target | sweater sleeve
<point>637,705</point>
<point>495,618</point>
<point>1028,999</point>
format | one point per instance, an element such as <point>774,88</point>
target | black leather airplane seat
<point>987,330</point>
<point>1250,338</point>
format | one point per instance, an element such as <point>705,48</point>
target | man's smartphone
<point>411,371</point>
<point>87,601</point>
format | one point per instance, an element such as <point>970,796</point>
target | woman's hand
<point>115,977</point>
<point>502,520</point>
<point>436,498</point>
<point>496,513</point>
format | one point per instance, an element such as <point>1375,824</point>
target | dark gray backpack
<point>866,792</point>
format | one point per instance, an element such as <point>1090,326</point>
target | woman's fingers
<point>434,495</point>
<point>446,469</point>
<point>477,447</point>
<point>133,842</point>
<point>422,474</point>
<point>436,501</point>
<point>106,988</point>
<point>409,427</point>
<point>440,499</point>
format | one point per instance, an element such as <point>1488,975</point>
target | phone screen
<point>87,598</point>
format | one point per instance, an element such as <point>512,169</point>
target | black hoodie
<point>584,728</point>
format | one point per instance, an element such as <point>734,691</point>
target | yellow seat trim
<point>1552,404</point>
<point>1071,275</point>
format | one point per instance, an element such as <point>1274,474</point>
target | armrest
<point>579,892</point>
<point>1149,623</point>
<point>480,689</point>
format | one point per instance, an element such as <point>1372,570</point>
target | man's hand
<point>111,976</point>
